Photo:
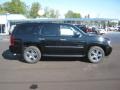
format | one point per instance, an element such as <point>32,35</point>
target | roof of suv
<point>38,23</point>
<point>26,23</point>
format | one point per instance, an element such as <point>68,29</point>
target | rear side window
<point>27,29</point>
<point>50,30</point>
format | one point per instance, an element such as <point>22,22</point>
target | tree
<point>111,24</point>
<point>119,23</point>
<point>15,6</point>
<point>34,9</point>
<point>51,13</point>
<point>2,10</point>
<point>71,14</point>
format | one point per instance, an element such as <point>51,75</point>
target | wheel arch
<point>33,44</point>
<point>99,45</point>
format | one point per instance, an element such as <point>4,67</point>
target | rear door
<point>49,38</point>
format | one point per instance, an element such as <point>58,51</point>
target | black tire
<point>96,54</point>
<point>31,54</point>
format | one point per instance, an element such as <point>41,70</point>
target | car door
<point>49,38</point>
<point>71,41</point>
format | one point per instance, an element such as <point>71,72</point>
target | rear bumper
<point>15,49</point>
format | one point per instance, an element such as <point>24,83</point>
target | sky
<point>96,8</point>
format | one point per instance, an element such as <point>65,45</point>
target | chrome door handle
<point>62,39</point>
<point>41,38</point>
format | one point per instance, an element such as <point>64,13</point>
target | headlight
<point>101,39</point>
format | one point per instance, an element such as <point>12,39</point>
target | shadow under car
<point>7,55</point>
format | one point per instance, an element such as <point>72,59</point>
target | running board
<point>47,55</point>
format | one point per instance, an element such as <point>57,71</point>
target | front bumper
<point>108,50</point>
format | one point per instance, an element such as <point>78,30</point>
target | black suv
<point>33,40</point>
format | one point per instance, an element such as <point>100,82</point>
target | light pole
<point>6,25</point>
<point>1,26</point>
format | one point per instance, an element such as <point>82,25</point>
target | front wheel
<point>96,54</point>
<point>32,54</point>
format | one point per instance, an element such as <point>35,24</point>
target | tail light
<point>87,30</point>
<point>12,40</point>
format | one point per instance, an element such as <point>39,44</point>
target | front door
<point>71,41</point>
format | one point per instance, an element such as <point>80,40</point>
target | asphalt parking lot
<point>60,73</point>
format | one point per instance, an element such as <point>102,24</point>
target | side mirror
<point>77,34</point>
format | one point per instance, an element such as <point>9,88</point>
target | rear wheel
<point>96,54</point>
<point>32,54</point>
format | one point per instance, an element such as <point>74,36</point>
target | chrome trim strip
<point>64,46</point>
<point>62,39</point>
<point>41,38</point>
<point>63,55</point>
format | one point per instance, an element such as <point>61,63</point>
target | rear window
<point>27,29</point>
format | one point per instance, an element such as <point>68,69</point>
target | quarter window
<point>27,29</point>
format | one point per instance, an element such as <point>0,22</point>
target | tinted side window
<point>66,30</point>
<point>50,30</point>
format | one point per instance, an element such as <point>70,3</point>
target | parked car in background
<point>113,28</point>
<point>34,40</point>
<point>102,31</point>
<point>95,30</point>
<point>118,28</point>
<point>82,27</point>
<point>91,30</point>
<point>99,31</point>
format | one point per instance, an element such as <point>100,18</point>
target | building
<point>8,21</point>
<point>5,24</point>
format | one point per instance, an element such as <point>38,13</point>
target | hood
<point>96,38</point>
